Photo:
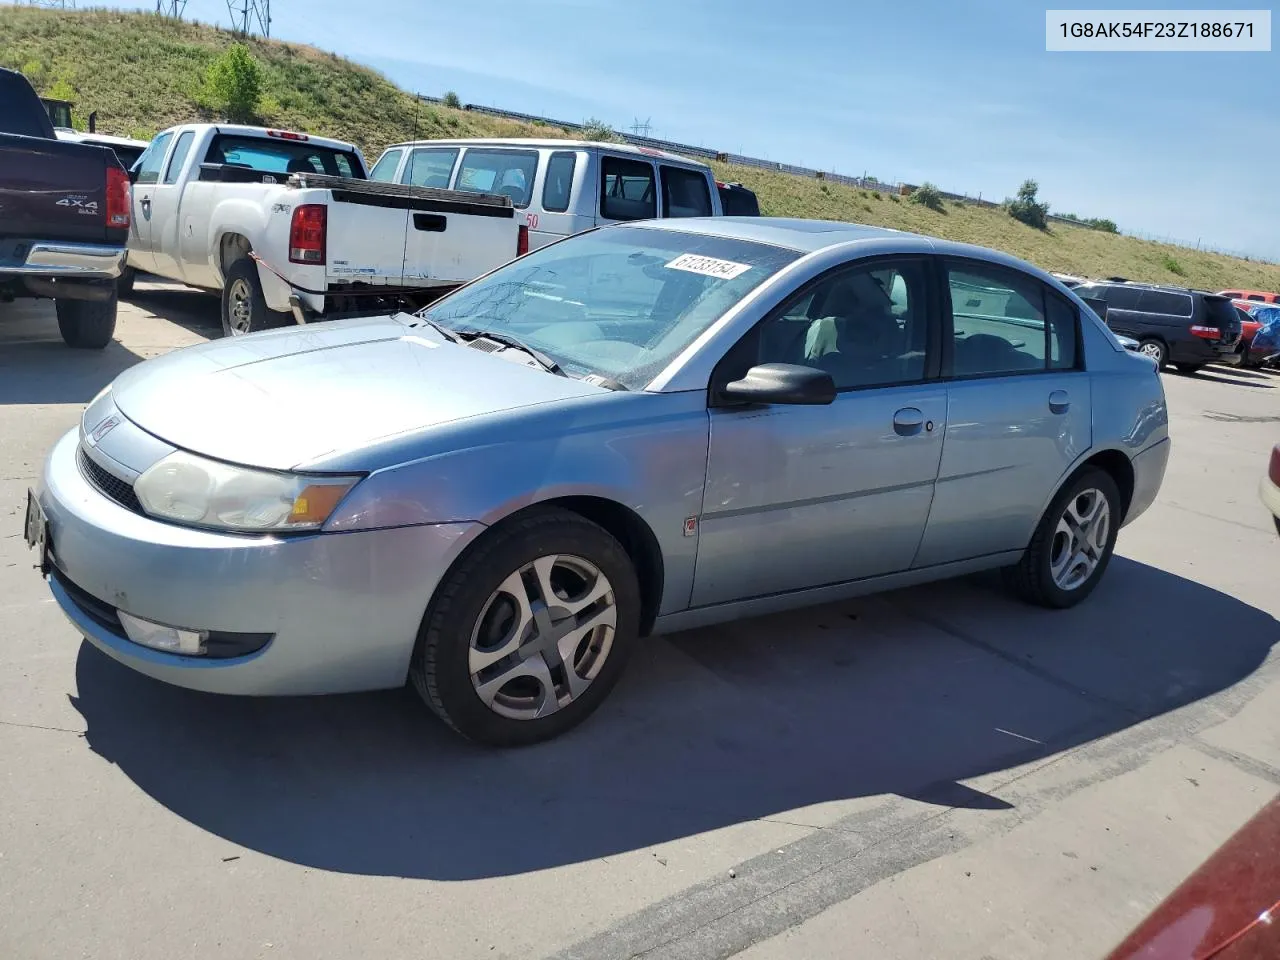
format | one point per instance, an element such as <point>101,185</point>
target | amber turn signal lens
<point>316,502</point>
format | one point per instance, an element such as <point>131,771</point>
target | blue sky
<point>962,94</point>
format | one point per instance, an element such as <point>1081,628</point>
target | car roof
<point>553,143</point>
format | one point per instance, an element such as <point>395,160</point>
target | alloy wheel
<point>1081,538</point>
<point>240,307</point>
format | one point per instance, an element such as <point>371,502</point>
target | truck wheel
<point>244,308</point>
<point>124,283</point>
<point>87,324</point>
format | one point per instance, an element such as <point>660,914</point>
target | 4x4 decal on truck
<point>84,206</point>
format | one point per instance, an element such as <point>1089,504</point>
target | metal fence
<point>862,183</point>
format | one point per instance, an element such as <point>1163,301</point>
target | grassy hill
<point>142,73</point>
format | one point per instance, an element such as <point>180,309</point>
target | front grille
<point>107,483</point>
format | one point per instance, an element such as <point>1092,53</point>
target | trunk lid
<point>54,190</point>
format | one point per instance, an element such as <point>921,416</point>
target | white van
<point>562,186</point>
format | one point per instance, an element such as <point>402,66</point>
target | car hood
<point>287,397</point>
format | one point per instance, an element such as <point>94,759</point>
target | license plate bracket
<point>36,531</point>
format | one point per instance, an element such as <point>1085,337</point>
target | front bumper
<point>343,609</point>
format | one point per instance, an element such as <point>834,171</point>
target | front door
<point>1019,410</point>
<point>166,232</point>
<point>802,497</point>
<point>150,164</point>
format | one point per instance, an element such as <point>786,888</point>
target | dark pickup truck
<point>64,218</point>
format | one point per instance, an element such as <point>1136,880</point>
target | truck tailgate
<point>53,189</point>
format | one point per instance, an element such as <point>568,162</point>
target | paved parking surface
<point>934,772</point>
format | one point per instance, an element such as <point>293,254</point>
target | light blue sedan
<point>639,429</point>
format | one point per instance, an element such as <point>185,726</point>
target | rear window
<point>1222,313</point>
<point>507,173</point>
<point>1170,304</point>
<point>283,156</point>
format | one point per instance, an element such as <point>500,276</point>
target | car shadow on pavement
<point>48,371</point>
<point>1238,378</point>
<point>905,694</point>
<point>196,310</point>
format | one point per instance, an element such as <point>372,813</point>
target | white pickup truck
<point>286,226</point>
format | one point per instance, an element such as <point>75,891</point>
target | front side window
<point>559,182</point>
<point>1123,298</point>
<point>430,168</point>
<point>866,325</point>
<point>619,303</point>
<point>627,189</point>
<point>180,151</point>
<point>998,319</point>
<point>384,171</point>
<point>685,193</point>
<point>508,173</point>
<point>151,161</point>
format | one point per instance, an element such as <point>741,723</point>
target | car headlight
<point>204,493</point>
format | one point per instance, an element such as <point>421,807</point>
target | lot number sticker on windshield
<point>708,266</point>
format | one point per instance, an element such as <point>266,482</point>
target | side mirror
<point>782,383</point>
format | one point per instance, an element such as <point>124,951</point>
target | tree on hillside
<point>595,129</point>
<point>233,85</point>
<point>1026,208</point>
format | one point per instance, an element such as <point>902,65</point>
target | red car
<point>1229,909</point>
<point>1249,326</point>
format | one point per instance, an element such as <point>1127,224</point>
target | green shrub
<point>1172,265</point>
<point>876,194</point>
<point>451,100</point>
<point>233,85</point>
<point>1025,208</point>
<point>595,129</point>
<point>927,195</point>
<point>894,198</point>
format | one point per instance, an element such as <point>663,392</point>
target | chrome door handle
<point>908,421</point>
<point>1059,401</point>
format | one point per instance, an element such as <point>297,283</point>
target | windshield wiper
<point>438,328</point>
<point>507,340</point>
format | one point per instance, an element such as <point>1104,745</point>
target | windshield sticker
<point>708,266</point>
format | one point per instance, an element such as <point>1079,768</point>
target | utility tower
<point>640,129</point>
<point>54,4</point>
<point>171,8</point>
<point>250,16</point>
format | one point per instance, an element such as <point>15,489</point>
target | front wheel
<point>1156,350</point>
<point>87,324</point>
<point>244,307</point>
<point>530,630</point>
<point>1072,545</point>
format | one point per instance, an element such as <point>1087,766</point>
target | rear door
<point>1019,409</point>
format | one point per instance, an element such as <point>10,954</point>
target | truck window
<point>384,171</point>
<point>282,156</point>
<point>558,182</point>
<point>179,157</point>
<point>508,173</point>
<point>430,168</point>
<point>152,159</point>
<point>685,193</point>
<point>627,190</point>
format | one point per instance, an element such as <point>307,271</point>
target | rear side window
<point>179,157</point>
<point>152,160</point>
<point>1064,325</point>
<point>685,193</point>
<point>508,173</point>
<point>1170,304</point>
<point>430,168</point>
<point>384,171</point>
<point>1121,298</point>
<point>1257,296</point>
<point>1222,312</point>
<point>998,320</point>
<point>559,182</point>
<point>627,189</point>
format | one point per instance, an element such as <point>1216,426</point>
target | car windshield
<point>620,302</point>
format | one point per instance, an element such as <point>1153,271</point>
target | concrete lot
<point>935,772</point>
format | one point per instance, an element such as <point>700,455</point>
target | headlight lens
<point>204,493</point>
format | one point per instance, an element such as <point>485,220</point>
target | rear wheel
<point>529,632</point>
<point>87,324</point>
<point>1156,350</point>
<point>244,308</point>
<point>1073,543</point>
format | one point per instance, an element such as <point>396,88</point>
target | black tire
<point>1032,578</point>
<point>1156,350</point>
<point>87,324</point>
<point>440,668</point>
<point>124,282</point>
<point>259,317</point>
<point>1189,368</point>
